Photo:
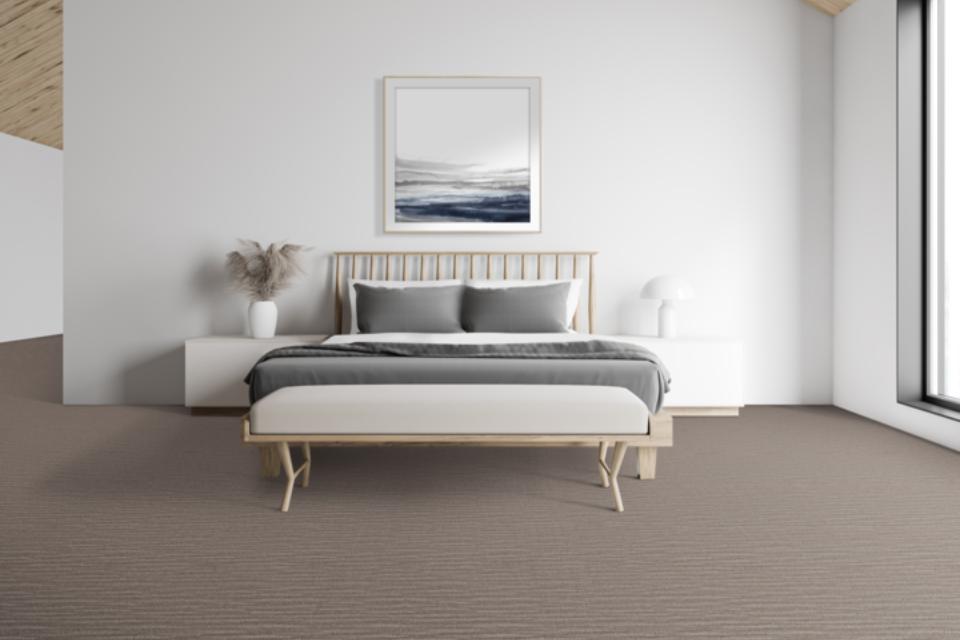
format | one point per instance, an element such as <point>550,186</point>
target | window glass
<point>943,199</point>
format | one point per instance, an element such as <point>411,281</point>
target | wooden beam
<point>31,70</point>
<point>833,7</point>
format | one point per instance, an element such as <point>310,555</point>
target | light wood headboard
<point>408,266</point>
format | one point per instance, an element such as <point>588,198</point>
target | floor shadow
<point>530,470</point>
<point>156,379</point>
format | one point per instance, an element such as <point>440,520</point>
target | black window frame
<point>913,215</point>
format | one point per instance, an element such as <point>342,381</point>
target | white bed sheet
<point>461,338</point>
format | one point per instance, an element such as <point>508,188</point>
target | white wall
<point>865,240</point>
<point>31,239</point>
<point>689,137</point>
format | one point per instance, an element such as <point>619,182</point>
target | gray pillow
<point>534,309</point>
<point>410,309</point>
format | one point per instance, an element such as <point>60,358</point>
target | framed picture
<point>461,154</point>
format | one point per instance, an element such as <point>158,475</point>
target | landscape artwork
<point>462,154</point>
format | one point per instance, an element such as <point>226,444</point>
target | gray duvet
<point>593,362</point>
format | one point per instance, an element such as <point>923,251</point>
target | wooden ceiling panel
<point>31,70</point>
<point>833,7</point>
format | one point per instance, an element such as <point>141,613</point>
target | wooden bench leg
<point>269,462</point>
<point>619,451</point>
<point>307,465</point>
<point>283,449</point>
<point>646,463</point>
<point>604,476</point>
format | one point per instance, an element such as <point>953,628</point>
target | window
<point>928,205</point>
<point>942,202</point>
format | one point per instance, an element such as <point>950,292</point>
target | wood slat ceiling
<point>31,70</point>
<point>833,7</point>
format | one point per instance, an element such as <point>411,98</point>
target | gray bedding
<point>593,362</point>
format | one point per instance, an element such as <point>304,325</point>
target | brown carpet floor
<point>788,522</point>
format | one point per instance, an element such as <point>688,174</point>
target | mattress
<point>639,377</point>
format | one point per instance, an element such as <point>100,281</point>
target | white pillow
<point>573,296</point>
<point>387,284</point>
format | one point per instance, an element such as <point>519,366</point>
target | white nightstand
<point>707,373</point>
<point>216,365</point>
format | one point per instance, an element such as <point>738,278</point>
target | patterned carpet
<point>788,522</point>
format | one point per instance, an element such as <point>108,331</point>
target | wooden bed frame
<point>436,265</point>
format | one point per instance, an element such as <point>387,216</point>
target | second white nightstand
<point>707,373</point>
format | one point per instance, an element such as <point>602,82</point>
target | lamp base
<point>668,319</point>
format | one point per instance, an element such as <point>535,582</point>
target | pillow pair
<point>447,306</point>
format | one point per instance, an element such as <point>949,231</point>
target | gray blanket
<point>593,362</point>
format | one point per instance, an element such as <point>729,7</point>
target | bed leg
<point>307,464</point>
<point>269,462</point>
<point>283,449</point>
<point>619,451</point>
<point>604,476</point>
<point>646,463</point>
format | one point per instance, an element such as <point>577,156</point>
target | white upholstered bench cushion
<point>434,409</point>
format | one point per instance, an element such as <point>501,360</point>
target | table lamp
<point>667,289</point>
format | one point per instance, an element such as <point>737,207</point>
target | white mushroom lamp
<point>668,289</point>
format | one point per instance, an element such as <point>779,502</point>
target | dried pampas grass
<point>263,273</point>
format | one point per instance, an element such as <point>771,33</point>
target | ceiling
<point>31,70</point>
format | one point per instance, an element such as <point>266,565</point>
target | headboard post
<point>591,298</point>
<point>560,258</point>
<point>338,288</point>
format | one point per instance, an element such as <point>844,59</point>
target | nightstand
<point>707,373</point>
<point>215,366</point>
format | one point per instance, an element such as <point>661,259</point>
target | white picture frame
<point>461,154</point>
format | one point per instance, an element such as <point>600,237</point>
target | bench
<point>467,414</point>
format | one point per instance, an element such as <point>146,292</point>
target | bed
<point>538,358</point>
<point>569,357</point>
<point>646,378</point>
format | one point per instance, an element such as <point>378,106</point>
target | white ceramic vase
<point>263,319</point>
